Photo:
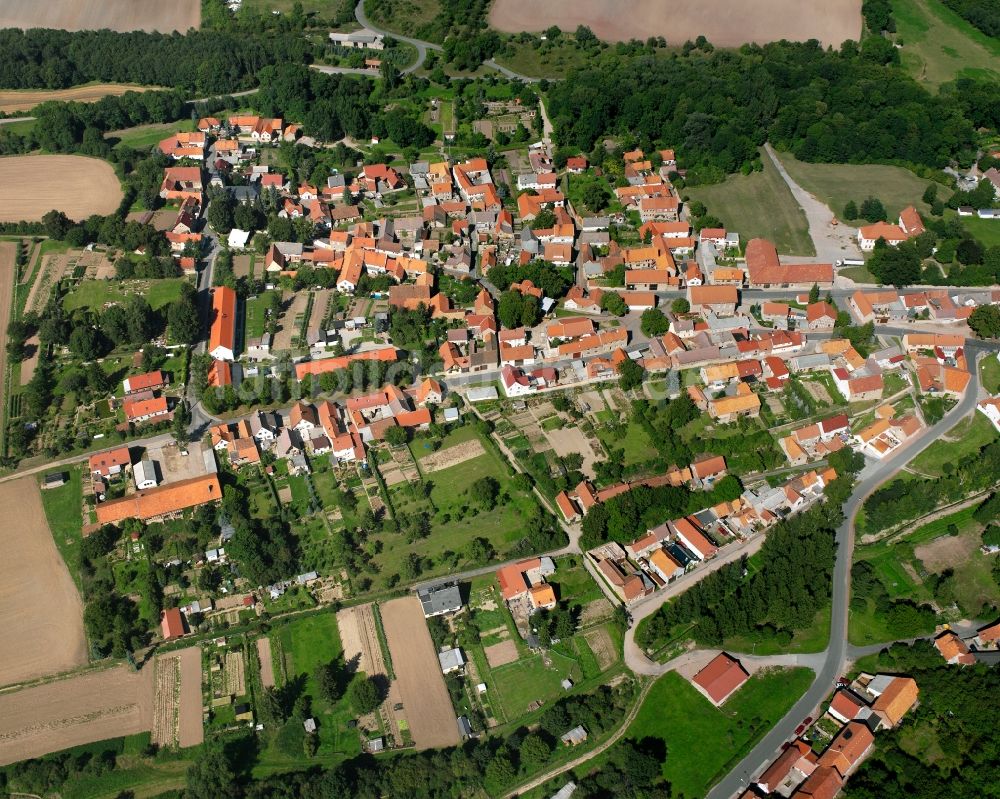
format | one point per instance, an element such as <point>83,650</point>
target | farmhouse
<point>110,463</point>
<point>222,338</point>
<point>720,678</point>
<point>157,503</point>
<point>720,300</point>
<point>142,410</point>
<point>765,270</point>
<point>181,183</point>
<point>150,381</point>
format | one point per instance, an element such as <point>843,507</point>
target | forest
<point>718,107</point>
<point>983,14</point>
<point>947,745</point>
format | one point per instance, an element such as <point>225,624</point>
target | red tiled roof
<point>721,677</point>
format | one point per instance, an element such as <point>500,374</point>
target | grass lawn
<point>529,679</point>
<point>759,205</point>
<point>939,46</point>
<point>969,435</point>
<point>420,448</point>
<point>549,60</point>
<point>986,231</point>
<point>64,512</point>
<point>812,639</point>
<point>145,136</point>
<point>94,294</point>
<point>703,741</point>
<point>989,372</point>
<point>638,448</point>
<point>836,184</point>
<point>255,316</point>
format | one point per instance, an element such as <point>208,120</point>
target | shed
<point>55,479</point>
<point>575,736</point>
<point>451,660</point>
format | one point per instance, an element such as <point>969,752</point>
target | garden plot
<point>568,440</point>
<point>243,265</point>
<point>321,304</point>
<point>501,654</point>
<point>946,552</point>
<point>817,391</point>
<point>452,456</point>
<point>54,266</point>
<point>290,320</point>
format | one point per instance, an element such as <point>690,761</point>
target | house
<point>693,539</point>
<point>172,624</point>
<point>363,39</point>
<point>765,270</point>
<point>138,411</point>
<point>729,408</point>
<point>222,335</point>
<point>440,600</point>
<point>451,660</point>
<point>720,300</point>
<point>163,501</point>
<point>429,392</point>
<point>516,579</point>
<point>953,649</point>
<point>990,408</point>
<point>181,183</point>
<point>846,705</point>
<point>860,388</point>
<point>55,480</point>
<point>110,463</point>
<point>720,678</point>
<point>150,381</point>
<point>823,783</point>
<point>895,701</point>
<point>664,565</point>
<point>868,235</point>
<point>302,417</point>
<point>784,770</point>
<point>820,316</point>
<point>850,746</point>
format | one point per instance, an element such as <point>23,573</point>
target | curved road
<point>836,654</point>
<point>423,46</point>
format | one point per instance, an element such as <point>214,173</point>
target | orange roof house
<point>848,749</point>
<point>542,597</point>
<point>145,382</point>
<point>165,500</point>
<point>764,268</point>
<point>143,410</point>
<point>222,337</point>
<point>824,783</point>
<point>896,700</point>
<point>721,677</point>
<point>512,580</point>
<point>110,462</point>
<point>302,370</point>
<point>953,649</point>
<point>172,624</point>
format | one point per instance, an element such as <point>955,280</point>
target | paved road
<point>423,46</point>
<point>836,654</point>
<point>831,243</point>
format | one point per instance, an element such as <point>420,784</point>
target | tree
<point>330,677</point>
<point>873,210</point>
<point>85,343</point>
<point>930,194</point>
<point>630,374</point>
<point>814,293</point>
<point>850,211</point>
<point>183,324</point>
<point>182,418</point>
<point>594,196</point>
<point>680,306</point>
<point>484,492</point>
<point>480,550</point>
<point>985,321</point>
<point>510,309</point>
<point>363,695</point>
<point>654,322</point>
<point>221,212</point>
<point>211,776</point>
<point>534,750</point>
<point>396,435</point>
<point>898,266</point>
<point>612,302</point>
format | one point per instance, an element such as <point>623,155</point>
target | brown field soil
<point>8,257</point>
<point>51,272</point>
<point>29,364</point>
<point>241,265</point>
<point>166,689</point>
<point>602,646</point>
<point>724,23</point>
<point>290,321</point>
<point>109,703</point>
<point>118,15</point>
<point>418,674</point>
<point>321,301</point>
<point>946,552</point>
<point>501,654</point>
<point>351,624</point>
<point>21,100</point>
<point>32,185</point>
<point>452,456</point>
<point>41,613</point>
<point>266,663</point>
<point>190,730</point>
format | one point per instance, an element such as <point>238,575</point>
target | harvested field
<point>572,439</point>
<point>290,321</point>
<point>235,674</point>
<point>452,456</point>
<point>501,654</point>
<point>724,23</point>
<point>817,391</point>
<point>18,100</point>
<point>117,15</point>
<point>266,663</point>
<point>418,674</point>
<point>32,185</point>
<point>602,646</point>
<point>40,609</point>
<point>190,730</point>
<point>166,691</point>
<point>352,624</point>
<point>946,552</point>
<point>90,707</point>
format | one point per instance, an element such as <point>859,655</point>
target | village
<point>400,347</point>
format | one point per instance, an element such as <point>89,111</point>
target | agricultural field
<point>725,24</point>
<point>677,714</point>
<point>41,612</point>
<point>33,185</point>
<point>12,100</point>
<point>837,184</point>
<point>939,46</point>
<point>117,15</point>
<point>759,205</point>
<point>418,674</point>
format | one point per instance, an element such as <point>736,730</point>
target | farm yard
<point>740,202</point>
<point>41,612</point>
<point>724,24</point>
<point>32,185</point>
<point>428,709</point>
<point>26,99</point>
<point>118,15</point>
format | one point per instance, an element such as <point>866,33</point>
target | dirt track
<point>418,674</point>
<point>11,100</point>
<point>118,15</point>
<point>92,707</point>
<point>41,613</point>
<point>724,23</point>
<point>266,663</point>
<point>32,185</point>
<point>8,254</point>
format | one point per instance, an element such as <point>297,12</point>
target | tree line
<point>982,14</point>
<point>717,108</point>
